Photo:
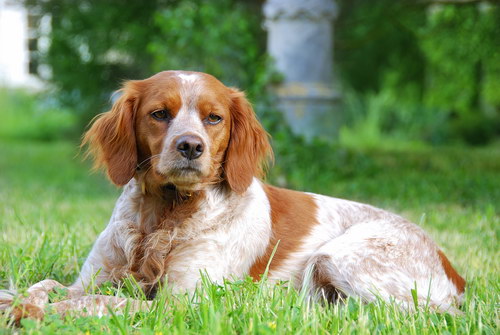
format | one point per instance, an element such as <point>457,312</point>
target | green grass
<point>52,208</point>
<point>26,115</point>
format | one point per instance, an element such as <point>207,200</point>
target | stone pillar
<point>300,39</point>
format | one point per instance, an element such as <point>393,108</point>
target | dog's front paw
<point>30,303</point>
<point>26,311</point>
<point>18,310</point>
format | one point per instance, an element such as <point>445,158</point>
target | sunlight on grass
<point>52,209</point>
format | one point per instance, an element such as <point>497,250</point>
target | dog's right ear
<point>111,139</point>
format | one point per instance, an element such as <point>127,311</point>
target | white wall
<point>14,56</point>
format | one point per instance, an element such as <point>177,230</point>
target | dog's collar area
<point>170,190</point>
<point>170,187</point>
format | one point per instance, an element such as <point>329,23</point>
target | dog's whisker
<point>147,160</point>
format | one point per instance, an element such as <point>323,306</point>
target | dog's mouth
<point>180,169</point>
<point>185,171</point>
<point>182,176</point>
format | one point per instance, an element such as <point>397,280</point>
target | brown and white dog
<point>189,151</point>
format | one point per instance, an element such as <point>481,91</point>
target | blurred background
<point>367,82</point>
<point>395,103</point>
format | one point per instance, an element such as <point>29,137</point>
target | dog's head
<point>184,129</point>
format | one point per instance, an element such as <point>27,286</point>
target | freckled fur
<point>172,222</point>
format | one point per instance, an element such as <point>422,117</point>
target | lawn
<point>52,208</point>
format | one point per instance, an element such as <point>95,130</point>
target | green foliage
<point>218,37</point>
<point>49,218</point>
<point>374,37</point>
<point>436,65</point>
<point>419,71</point>
<point>462,48</point>
<point>95,45</point>
<point>456,41</point>
<point>33,116</point>
<point>385,119</point>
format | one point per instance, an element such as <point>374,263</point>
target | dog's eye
<point>161,115</point>
<point>213,118</point>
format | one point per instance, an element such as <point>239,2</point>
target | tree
<point>95,45</point>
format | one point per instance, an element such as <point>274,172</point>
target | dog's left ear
<point>249,149</point>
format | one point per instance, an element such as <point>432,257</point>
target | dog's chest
<point>222,239</point>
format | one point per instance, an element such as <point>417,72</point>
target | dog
<point>189,153</point>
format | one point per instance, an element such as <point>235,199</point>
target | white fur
<point>186,122</point>
<point>190,90</point>
<point>370,252</point>
<point>211,240</point>
<point>111,242</point>
<point>188,78</point>
<point>333,219</point>
<point>388,259</point>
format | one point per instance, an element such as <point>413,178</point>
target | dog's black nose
<point>190,146</point>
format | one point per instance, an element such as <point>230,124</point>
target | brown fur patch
<point>155,240</point>
<point>249,147</point>
<point>111,139</point>
<point>451,273</point>
<point>293,215</point>
<point>26,310</point>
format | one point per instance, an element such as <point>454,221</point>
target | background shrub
<point>410,70</point>
<point>28,116</point>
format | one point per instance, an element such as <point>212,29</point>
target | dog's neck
<point>174,197</point>
<point>166,207</point>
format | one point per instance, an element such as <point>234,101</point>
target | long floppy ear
<point>249,148</point>
<point>111,139</point>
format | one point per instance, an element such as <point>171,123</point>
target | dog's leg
<point>99,305</point>
<point>381,259</point>
<point>33,305</point>
<point>96,270</point>
<point>36,304</point>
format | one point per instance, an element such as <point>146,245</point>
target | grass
<point>39,116</point>
<point>51,210</point>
